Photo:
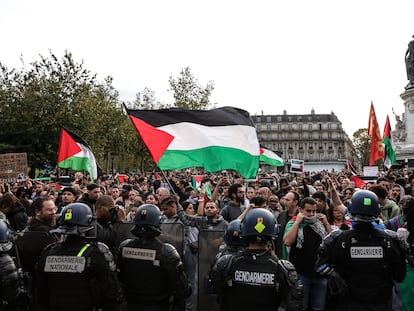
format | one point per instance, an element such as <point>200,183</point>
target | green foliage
<point>362,142</point>
<point>188,93</point>
<point>50,93</point>
<point>146,100</point>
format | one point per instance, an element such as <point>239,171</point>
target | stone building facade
<point>318,139</point>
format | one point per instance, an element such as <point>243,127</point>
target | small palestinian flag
<point>196,182</point>
<point>359,183</point>
<point>270,157</point>
<point>75,153</point>
<point>296,166</point>
<point>217,139</point>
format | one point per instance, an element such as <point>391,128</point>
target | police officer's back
<point>255,279</point>
<point>77,274</point>
<point>362,263</point>
<point>151,272</point>
<point>12,293</point>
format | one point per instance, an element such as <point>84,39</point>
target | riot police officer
<point>77,274</point>
<point>362,263</point>
<point>234,242</point>
<point>255,279</point>
<point>12,292</point>
<point>150,271</point>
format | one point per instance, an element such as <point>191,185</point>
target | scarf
<point>313,222</point>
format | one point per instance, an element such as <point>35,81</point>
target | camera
<point>114,213</point>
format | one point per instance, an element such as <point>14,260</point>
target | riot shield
<point>174,234</point>
<point>209,242</point>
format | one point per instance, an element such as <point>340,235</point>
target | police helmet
<point>75,218</point>
<point>5,238</point>
<point>147,218</point>
<point>364,205</point>
<point>233,236</point>
<point>259,223</point>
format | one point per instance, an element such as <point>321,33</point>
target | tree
<point>51,93</point>
<point>362,141</point>
<point>188,93</point>
<point>146,100</point>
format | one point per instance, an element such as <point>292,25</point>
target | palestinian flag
<point>297,166</point>
<point>270,157</point>
<point>196,181</point>
<point>75,153</point>
<point>217,139</point>
<point>389,157</point>
<point>359,182</point>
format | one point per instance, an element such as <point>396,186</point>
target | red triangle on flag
<point>67,146</point>
<point>156,140</point>
<point>359,183</point>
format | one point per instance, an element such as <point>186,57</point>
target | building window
<point>258,119</point>
<point>289,127</point>
<point>310,126</point>
<point>279,119</point>
<point>279,127</point>
<point>268,119</point>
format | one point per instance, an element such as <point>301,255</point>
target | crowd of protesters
<point>219,199</point>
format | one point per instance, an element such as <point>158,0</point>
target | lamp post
<point>112,162</point>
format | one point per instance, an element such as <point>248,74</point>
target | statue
<point>399,133</point>
<point>409,63</point>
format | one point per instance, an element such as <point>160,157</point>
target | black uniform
<point>152,274</point>
<point>368,261</point>
<point>77,275</point>
<point>12,293</point>
<point>256,280</point>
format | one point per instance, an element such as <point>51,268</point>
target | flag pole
<point>168,182</point>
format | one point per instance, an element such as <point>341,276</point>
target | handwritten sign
<point>13,165</point>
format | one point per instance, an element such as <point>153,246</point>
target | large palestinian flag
<point>75,153</point>
<point>217,139</point>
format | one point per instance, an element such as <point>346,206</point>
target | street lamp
<point>112,162</point>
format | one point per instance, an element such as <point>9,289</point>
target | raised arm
<point>336,200</point>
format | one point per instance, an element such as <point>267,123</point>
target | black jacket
<point>17,217</point>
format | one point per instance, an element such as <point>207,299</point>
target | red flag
<point>359,183</point>
<point>377,149</point>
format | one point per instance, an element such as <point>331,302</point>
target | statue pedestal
<point>404,138</point>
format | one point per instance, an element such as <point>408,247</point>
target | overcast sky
<point>263,56</point>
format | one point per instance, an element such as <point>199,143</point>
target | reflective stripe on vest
<point>83,249</point>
